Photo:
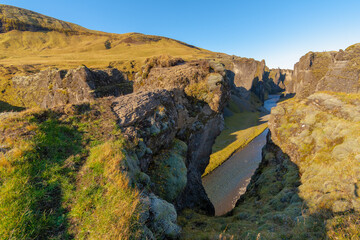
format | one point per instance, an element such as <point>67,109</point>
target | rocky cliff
<point>320,134</point>
<point>279,77</point>
<point>53,87</point>
<point>326,71</point>
<point>253,77</point>
<point>201,93</point>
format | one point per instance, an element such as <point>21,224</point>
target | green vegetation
<point>105,207</point>
<point>199,92</point>
<point>107,44</point>
<point>240,129</point>
<point>168,171</point>
<point>60,176</point>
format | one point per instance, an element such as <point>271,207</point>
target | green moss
<point>199,92</point>
<point>168,171</point>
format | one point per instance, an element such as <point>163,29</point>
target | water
<point>228,182</point>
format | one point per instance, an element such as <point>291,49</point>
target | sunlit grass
<point>240,129</point>
<point>61,177</point>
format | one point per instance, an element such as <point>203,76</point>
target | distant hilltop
<point>14,18</point>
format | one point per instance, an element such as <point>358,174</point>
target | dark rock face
<point>182,101</point>
<point>278,78</point>
<point>326,71</point>
<point>250,76</point>
<point>54,87</point>
<point>157,118</point>
<point>199,151</point>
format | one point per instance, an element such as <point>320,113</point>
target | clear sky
<point>279,31</point>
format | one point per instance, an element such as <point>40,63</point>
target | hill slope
<point>31,42</point>
<point>29,38</point>
<point>14,18</point>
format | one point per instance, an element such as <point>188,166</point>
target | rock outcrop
<point>278,77</point>
<point>183,102</point>
<point>326,71</point>
<point>250,77</point>
<point>320,135</point>
<point>53,87</point>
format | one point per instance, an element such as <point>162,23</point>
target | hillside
<point>14,18</point>
<point>30,42</point>
<point>46,41</point>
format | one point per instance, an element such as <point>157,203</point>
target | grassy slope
<point>240,129</point>
<point>62,50</point>
<point>67,45</point>
<point>61,176</point>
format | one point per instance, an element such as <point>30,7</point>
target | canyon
<point>120,146</point>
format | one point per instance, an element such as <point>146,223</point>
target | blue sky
<point>279,31</point>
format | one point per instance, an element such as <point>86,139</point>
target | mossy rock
<point>168,171</point>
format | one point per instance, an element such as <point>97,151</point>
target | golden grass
<point>23,53</point>
<point>240,129</point>
<point>61,50</point>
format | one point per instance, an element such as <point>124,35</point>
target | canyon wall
<point>326,71</point>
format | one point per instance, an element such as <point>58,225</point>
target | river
<point>228,182</point>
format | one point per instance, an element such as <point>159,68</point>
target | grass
<point>43,49</point>
<point>240,129</point>
<point>35,180</point>
<point>22,19</point>
<point>61,176</point>
<point>105,206</point>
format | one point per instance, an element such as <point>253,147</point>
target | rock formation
<point>53,87</point>
<point>326,71</point>
<point>249,76</point>
<point>192,107</point>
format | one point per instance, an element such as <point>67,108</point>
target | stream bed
<point>228,182</point>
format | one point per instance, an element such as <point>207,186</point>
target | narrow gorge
<point>103,136</point>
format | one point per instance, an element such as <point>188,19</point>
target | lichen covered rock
<point>320,134</point>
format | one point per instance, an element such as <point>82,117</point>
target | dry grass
<point>61,50</point>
